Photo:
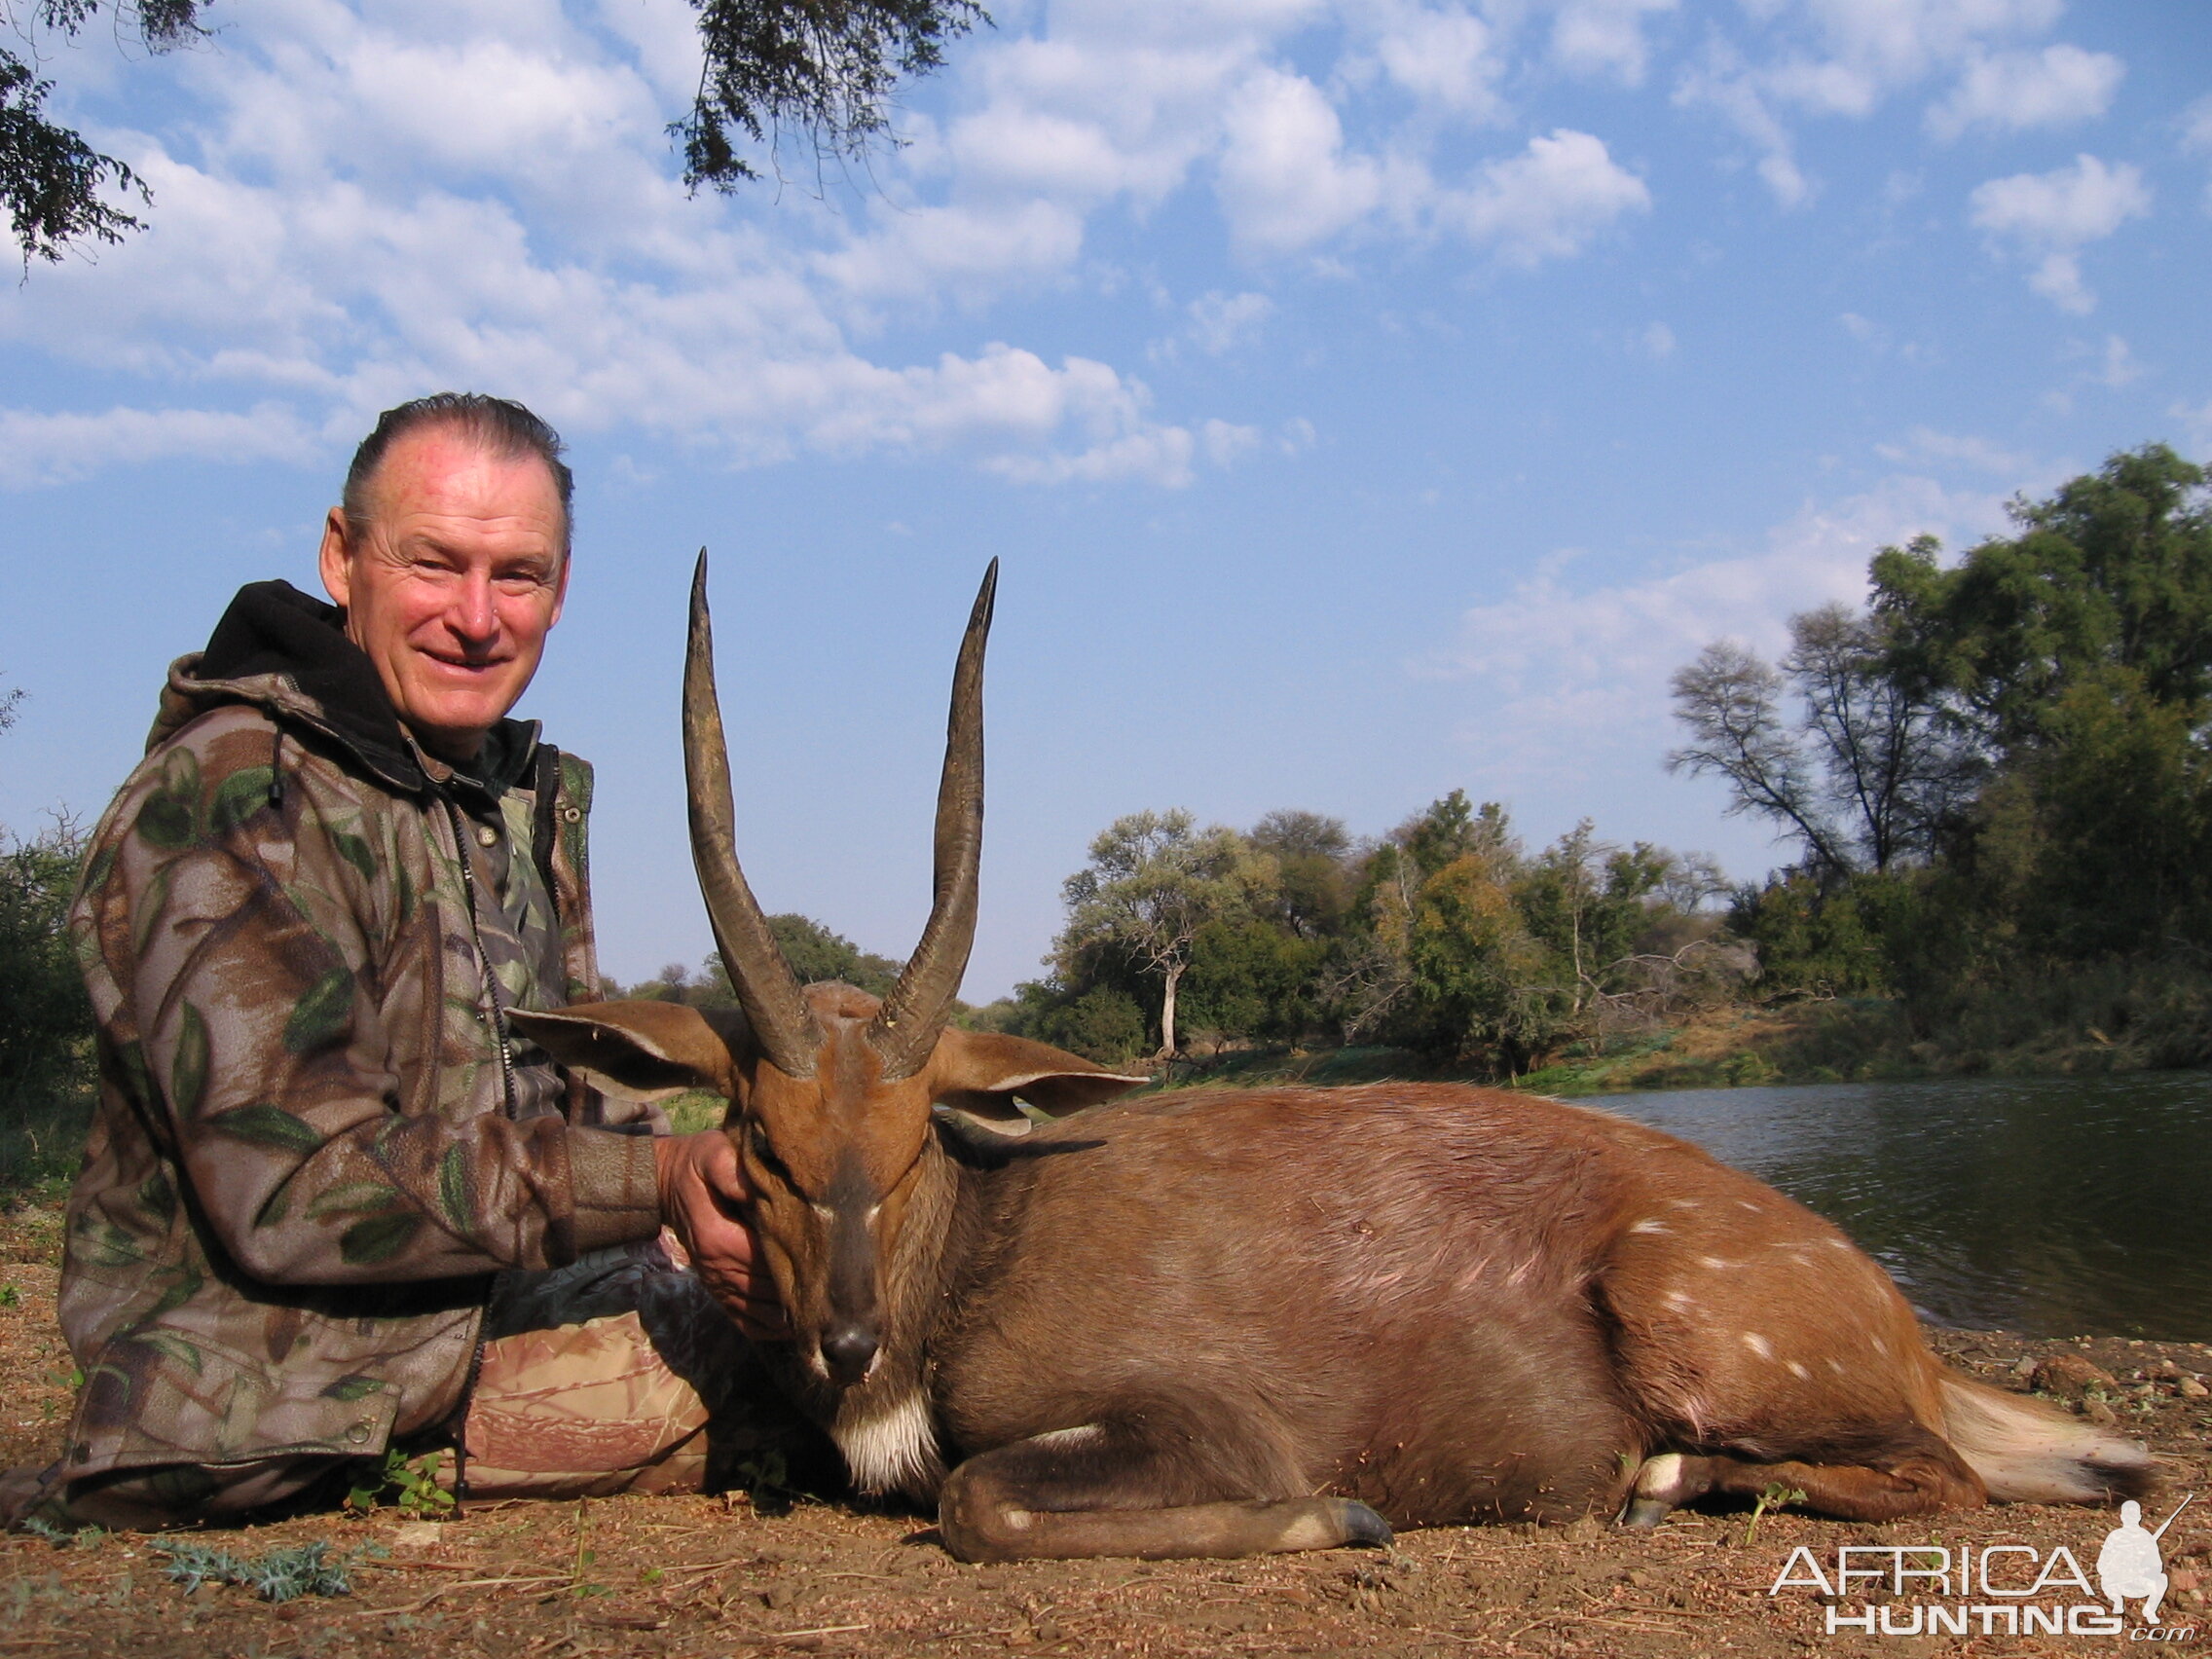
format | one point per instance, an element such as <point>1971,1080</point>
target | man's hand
<point>703,1196</point>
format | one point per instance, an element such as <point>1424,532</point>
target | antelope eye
<point>756,1138</point>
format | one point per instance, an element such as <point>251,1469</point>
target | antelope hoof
<point>1662,1485</point>
<point>1364,1528</point>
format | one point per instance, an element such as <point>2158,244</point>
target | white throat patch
<point>890,1448</point>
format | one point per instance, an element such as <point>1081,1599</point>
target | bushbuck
<point>1220,1323</point>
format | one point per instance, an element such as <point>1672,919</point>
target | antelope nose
<point>849,1350</point>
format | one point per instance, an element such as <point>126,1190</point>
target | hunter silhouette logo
<point>2131,1565</point>
<point>2002,1589</point>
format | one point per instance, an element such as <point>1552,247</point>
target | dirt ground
<point>712,1576</point>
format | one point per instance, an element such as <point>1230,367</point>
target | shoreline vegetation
<point>1813,1041</point>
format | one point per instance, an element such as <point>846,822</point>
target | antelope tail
<point>2027,1452</point>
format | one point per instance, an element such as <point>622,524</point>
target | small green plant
<point>9,1296</point>
<point>280,1576</point>
<point>578,1584</point>
<point>1774,1497</point>
<point>409,1485</point>
<point>62,1537</point>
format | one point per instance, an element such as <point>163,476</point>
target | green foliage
<point>1255,976</point>
<point>407,1484</point>
<point>1811,942</point>
<point>2061,683</point>
<point>815,954</point>
<point>277,1575</point>
<point>50,179</point>
<point>1154,884</point>
<point>2113,571</point>
<point>1100,1021</point>
<point>46,1022</point>
<point>1446,939</point>
<point>822,68</point>
<point>823,71</point>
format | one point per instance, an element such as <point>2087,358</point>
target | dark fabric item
<point>274,628</point>
<point>169,1495</point>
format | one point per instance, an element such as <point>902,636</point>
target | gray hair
<point>499,424</point>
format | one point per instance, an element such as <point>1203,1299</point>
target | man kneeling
<point>332,1205</point>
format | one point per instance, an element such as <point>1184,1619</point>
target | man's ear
<point>642,1051</point>
<point>983,1072</point>
<point>331,562</point>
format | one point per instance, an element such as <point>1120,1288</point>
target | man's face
<point>451,582</point>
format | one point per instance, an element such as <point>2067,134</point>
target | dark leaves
<point>823,68</point>
<point>322,1014</point>
<point>269,1127</point>
<point>379,1239</point>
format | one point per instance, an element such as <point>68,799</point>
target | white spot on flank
<point>1649,1226</point>
<point>1675,1299</point>
<point>1716,1263</point>
<point>1681,1203</point>
<point>1836,1366</point>
<point>1839,1244</point>
<point>890,1448</point>
<point>1881,1347</point>
<point>1746,1204</point>
<point>824,1211</point>
<point>1758,1345</point>
<point>1798,1371</point>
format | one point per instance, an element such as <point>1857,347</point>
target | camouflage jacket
<point>315,1144</point>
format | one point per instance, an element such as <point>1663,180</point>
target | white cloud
<point>1285,180</point>
<point>2014,90</point>
<point>1845,57</point>
<point>1446,58</point>
<point>2116,364</point>
<point>1923,445</point>
<point>1593,37</point>
<point>2196,420</point>
<point>41,448</point>
<point>1220,321</point>
<point>2051,216</point>
<point>1656,343</point>
<point>1574,680</point>
<point>2197,135</point>
<point>1548,201</point>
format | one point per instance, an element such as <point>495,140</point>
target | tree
<point>1312,884</point>
<point>820,70</point>
<point>1153,881</point>
<point>2113,572</point>
<point>1866,775</point>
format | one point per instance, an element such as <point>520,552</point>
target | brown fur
<point>1182,1318</point>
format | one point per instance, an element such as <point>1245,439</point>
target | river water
<point>2055,1206</point>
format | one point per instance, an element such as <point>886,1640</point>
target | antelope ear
<point>641,1051</point>
<point>983,1072</point>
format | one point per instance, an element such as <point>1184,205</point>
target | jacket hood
<point>287,652</point>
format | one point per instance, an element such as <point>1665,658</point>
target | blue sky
<point>1365,399</point>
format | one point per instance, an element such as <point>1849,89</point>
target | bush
<point>46,1022</point>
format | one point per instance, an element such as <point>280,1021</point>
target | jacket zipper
<point>495,1021</point>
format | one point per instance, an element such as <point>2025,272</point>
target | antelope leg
<point>1917,1480</point>
<point>1076,1493</point>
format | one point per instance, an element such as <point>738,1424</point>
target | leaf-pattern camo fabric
<point>309,1157</point>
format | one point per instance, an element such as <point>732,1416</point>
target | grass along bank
<point>2096,1024</point>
